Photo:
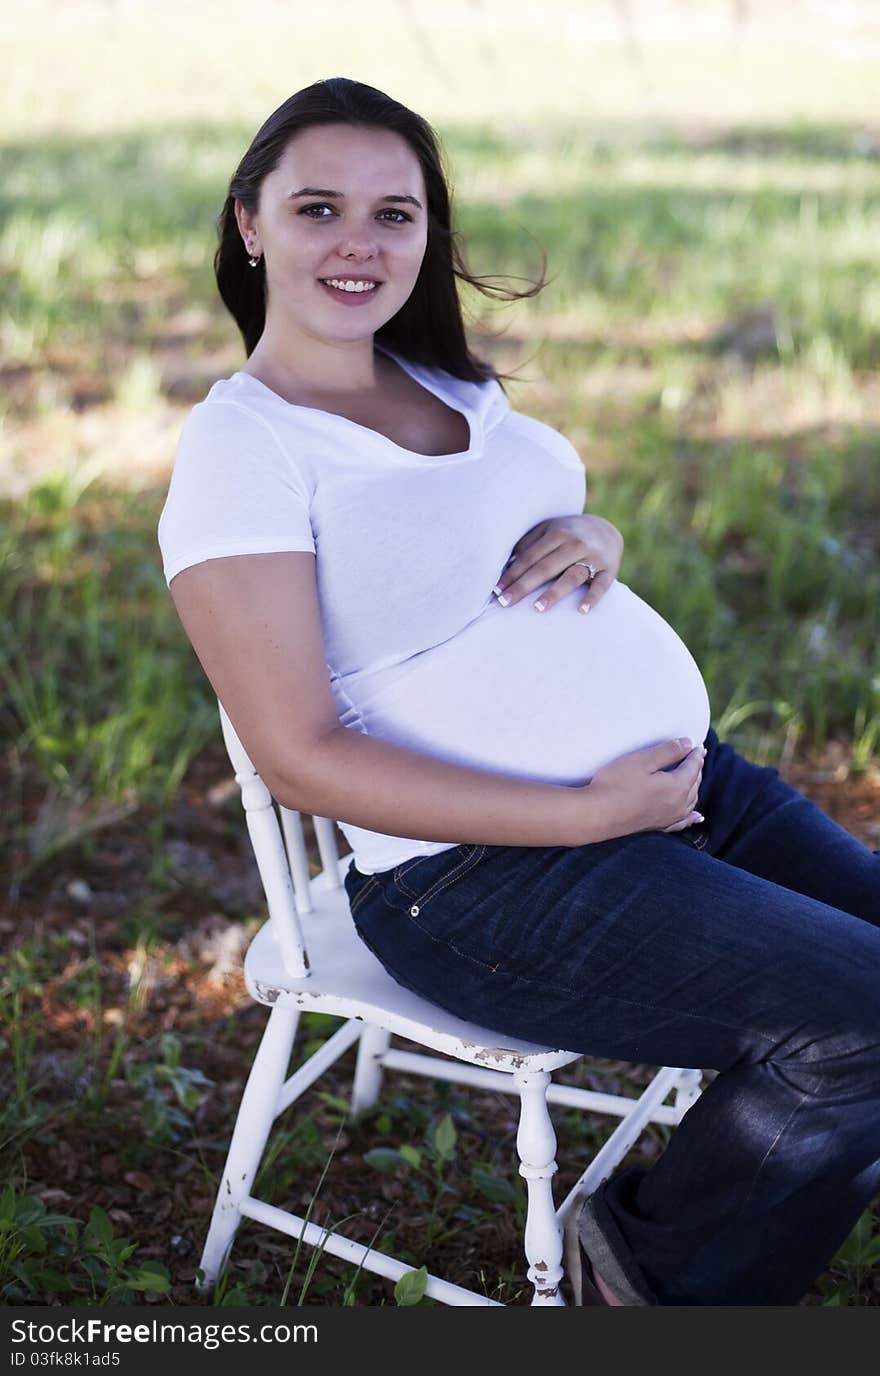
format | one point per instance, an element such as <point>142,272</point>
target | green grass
<point>671,193</point>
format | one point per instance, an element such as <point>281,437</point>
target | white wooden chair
<point>340,976</point>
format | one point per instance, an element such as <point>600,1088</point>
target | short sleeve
<point>234,490</point>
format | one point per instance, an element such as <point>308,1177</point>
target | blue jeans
<point>749,945</point>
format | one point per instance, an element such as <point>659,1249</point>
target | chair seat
<point>348,981</point>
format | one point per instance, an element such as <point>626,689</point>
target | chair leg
<point>368,1068</point>
<point>536,1144</point>
<point>259,1105</point>
<point>687,1091</point>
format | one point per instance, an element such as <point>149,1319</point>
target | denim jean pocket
<point>359,887</point>
<point>421,879</point>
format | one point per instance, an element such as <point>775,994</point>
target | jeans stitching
<point>412,894</point>
<point>355,903</point>
<point>398,876</point>
<point>465,865</point>
<point>438,941</point>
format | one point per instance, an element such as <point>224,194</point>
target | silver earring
<point>253,262</point>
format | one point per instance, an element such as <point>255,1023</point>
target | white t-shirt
<point>408,548</point>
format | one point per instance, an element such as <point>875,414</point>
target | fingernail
<point>503,600</point>
<point>539,606</point>
<point>699,816</point>
<point>497,589</point>
<point>585,607</point>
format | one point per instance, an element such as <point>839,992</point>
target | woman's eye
<point>306,208</point>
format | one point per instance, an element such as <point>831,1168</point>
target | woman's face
<point>374,226</point>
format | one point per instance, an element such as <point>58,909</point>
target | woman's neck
<point>350,371</point>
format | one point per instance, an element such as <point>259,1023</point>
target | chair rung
<point>333,1048</point>
<point>313,1235</point>
<point>570,1095</point>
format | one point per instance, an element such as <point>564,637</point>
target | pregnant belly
<point>551,696</point>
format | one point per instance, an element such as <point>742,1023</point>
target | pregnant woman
<point>383,569</point>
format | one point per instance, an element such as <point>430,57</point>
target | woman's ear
<point>246,223</point>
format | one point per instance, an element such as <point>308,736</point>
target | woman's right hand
<point>654,789</point>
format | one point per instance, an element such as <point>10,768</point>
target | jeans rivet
<point>414,910</point>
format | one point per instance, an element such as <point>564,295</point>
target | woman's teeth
<point>349,286</point>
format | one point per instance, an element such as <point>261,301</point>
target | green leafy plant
<point>410,1289</point>
<point>854,1263</point>
<point>430,1164</point>
<point>43,1253</point>
<point>170,1092</point>
<point>106,1259</point>
<point>26,1229</point>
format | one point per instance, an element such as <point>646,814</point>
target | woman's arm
<point>384,787</point>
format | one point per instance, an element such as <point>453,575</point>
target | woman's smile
<point>351,295</point>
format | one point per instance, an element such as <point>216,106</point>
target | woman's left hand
<point>551,548</point>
